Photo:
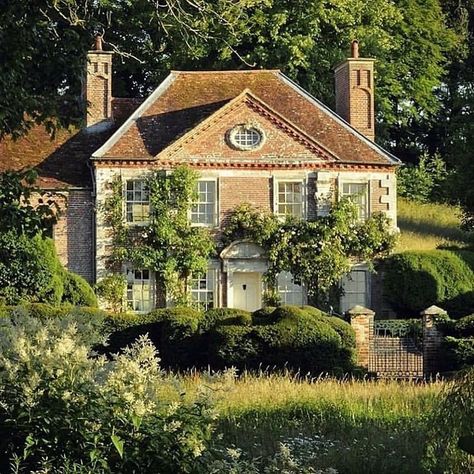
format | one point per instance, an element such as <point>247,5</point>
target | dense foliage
<point>316,252</point>
<point>298,338</point>
<point>425,182</point>
<point>31,271</point>
<point>415,280</point>
<point>63,410</point>
<point>169,244</point>
<point>458,342</point>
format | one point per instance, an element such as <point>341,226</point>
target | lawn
<point>352,426</point>
<point>429,226</point>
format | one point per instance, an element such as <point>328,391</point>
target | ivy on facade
<point>168,244</point>
<point>319,252</point>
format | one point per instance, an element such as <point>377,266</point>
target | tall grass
<point>429,226</point>
<point>351,425</point>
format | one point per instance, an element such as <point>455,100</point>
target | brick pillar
<point>432,339</point>
<point>362,321</point>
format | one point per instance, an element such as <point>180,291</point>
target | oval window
<point>245,138</point>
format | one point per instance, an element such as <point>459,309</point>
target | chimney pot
<point>355,49</point>
<point>98,43</point>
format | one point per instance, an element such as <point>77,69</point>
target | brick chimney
<point>355,92</point>
<point>98,87</point>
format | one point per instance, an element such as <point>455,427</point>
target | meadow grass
<point>430,226</point>
<point>350,425</point>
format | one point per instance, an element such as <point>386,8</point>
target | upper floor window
<point>358,194</point>
<point>289,198</point>
<point>139,290</point>
<point>203,290</point>
<point>204,210</point>
<point>289,291</point>
<point>137,201</point>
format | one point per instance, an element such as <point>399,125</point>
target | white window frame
<point>304,196</point>
<point>364,182</point>
<point>215,218</point>
<point>212,275</point>
<point>367,299</point>
<point>137,304</point>
<point>289,288</point>
<point>142,202</point>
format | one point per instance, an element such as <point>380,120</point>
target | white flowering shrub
<point>65,409</point>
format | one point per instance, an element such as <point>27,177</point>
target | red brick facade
<point>73,232</point>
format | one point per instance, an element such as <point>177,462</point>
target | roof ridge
<point>227,71</point>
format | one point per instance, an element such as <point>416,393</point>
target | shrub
<point>464,327</point>
<point>458,352</point>
<point>225,317</point>
<point>62,407</point>
<point>292,337</point>
<point>112,288</point>
<point>29,269</point>
<point>415,280</point>
<point>77,291</point>
<point>233,346</point>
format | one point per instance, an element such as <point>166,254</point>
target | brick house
<point>254,136</point>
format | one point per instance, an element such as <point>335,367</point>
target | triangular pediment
<point>281,142</point>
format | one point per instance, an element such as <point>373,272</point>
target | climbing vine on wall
<point>168,245</point>
<point>319,252</point>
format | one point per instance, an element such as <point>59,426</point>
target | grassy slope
<point>429,226</point>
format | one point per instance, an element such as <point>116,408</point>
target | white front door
<point>247,290</point>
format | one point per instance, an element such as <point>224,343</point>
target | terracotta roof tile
<point>193,96</point>
<point>61,162</point>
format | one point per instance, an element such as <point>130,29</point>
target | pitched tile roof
<point>187,98</point>
<point>61,162</point>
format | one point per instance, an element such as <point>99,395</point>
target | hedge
<point>414,281</point>
<point>304,339</point>
<point>225,317</point>
<point>296,338</point>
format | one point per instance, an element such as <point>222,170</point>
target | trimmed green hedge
<point>416,280</point>
<point>302,339</point>
<point>225,317</point>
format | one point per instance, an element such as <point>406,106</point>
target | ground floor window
<point>139,290</point>
<point>203,290</point>
<point>289,291</point>
<point>356,289</point>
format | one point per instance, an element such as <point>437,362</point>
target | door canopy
<point>244,255</point>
